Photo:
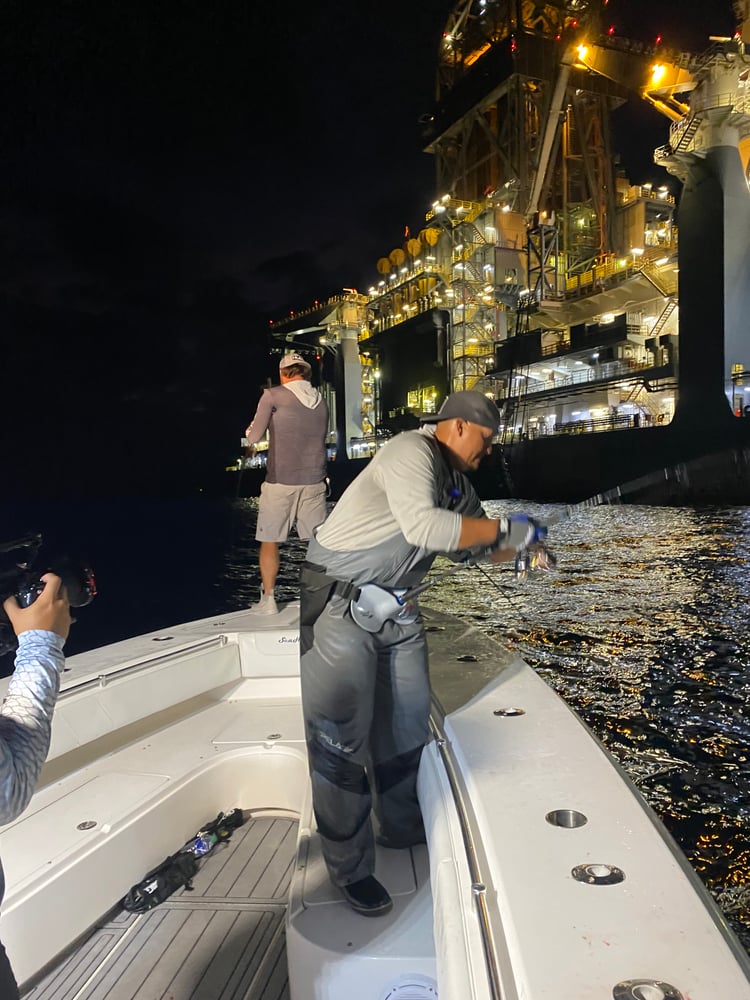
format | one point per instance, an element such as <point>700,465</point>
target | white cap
<point>294,359</point>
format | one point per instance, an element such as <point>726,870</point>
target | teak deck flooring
<point>224,940</point>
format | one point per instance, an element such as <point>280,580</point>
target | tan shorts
<point>283,507</point>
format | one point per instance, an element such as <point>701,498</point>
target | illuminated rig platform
<point>544,277</point>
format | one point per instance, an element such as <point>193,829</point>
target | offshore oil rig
<point>614,344</point>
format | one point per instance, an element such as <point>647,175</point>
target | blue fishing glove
<point>518,532</point>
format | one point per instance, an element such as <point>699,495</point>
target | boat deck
<point>224,940</point>
<point>568,888</point>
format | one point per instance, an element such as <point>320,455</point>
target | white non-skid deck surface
<point>222,941</point>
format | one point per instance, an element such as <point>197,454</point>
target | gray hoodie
<point>296,418</point>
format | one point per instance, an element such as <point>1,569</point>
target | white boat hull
<point>154,736</point>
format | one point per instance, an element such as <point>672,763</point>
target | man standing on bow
<point>294,492</point>
<point>365,684</point>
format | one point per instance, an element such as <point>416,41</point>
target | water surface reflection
<point>643,630</point>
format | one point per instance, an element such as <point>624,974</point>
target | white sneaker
<point>266,605</point>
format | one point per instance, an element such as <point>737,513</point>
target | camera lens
<point>79,582</point>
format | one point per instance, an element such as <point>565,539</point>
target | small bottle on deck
<point>203,844</point>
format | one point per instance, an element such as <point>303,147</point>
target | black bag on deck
<point>173,873</point>
<point>177,871</point>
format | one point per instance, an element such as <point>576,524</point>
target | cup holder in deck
<point>598,874</point>
<point>570,819</point>
<point>646,989</point>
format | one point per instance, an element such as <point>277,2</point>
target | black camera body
<point>20,579</point>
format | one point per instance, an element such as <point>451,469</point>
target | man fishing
<point>294,492</point>
<point>365,681</point>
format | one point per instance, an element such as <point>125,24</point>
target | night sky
<point>172,176</point>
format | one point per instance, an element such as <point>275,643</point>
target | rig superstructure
<point>542,276</point>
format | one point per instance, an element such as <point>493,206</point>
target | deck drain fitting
<point>646,989</point>
<point>162,638</point>
<point>570,819</point>
<point>468,658</point>
<point>88,824</point>
<point>606,875</point>
<point>509,713</point>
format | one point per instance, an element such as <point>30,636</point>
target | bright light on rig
<point>657,73</point>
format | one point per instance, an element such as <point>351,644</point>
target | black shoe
<point>400,843</point>
<point>368,897</point>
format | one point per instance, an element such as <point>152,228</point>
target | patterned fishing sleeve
<point>26,718</point>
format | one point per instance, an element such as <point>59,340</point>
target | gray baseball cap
<point>469,405</point>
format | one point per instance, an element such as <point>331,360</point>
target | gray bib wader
<point>366,700</point>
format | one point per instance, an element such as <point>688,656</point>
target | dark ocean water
<point>642,628</point>
<point>157,562</point>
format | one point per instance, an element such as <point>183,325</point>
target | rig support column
<point>348,381</point>
<point>714,281</point>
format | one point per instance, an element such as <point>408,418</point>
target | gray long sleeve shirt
<point>297,421</point>
<point>403,509</point>
<point>26,721</point>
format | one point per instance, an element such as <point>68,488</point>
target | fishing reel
<point>535,557</point>
<point>19,579</point>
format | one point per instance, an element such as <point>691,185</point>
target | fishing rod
<point>538,556</point>
<point>374,605</point>
<point>616,495</point>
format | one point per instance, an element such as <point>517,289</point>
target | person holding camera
<point>26,713</point>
